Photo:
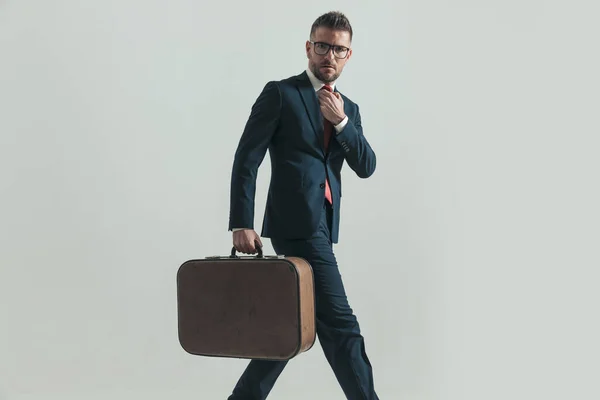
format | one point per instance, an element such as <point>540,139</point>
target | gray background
<point>470,257</point>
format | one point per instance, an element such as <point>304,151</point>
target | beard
<point>317,72</point>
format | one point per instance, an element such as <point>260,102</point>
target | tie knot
<point>327,87</point>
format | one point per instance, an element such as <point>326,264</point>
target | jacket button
<point>322,185</point>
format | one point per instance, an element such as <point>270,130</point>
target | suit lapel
<point>311,103</point>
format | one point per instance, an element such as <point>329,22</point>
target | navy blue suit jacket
<point>287,121</point>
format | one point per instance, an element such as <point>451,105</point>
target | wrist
<point>341,124</point>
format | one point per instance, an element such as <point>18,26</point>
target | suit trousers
<point>338,330</point>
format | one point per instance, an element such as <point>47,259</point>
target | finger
<point>241,245</point>
<point>326,95</point>
<point>326,104</point>
<point>249,244</point>
<point>326,100</point>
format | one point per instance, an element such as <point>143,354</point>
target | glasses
<point>322,49</point>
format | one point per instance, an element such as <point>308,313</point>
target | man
<point>310,129</point>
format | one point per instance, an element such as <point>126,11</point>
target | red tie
<point>328,130</point>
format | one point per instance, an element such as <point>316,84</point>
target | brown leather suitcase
<point>254,306</point>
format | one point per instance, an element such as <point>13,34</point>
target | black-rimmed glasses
<point>322,48</point>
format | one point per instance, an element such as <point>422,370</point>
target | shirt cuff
<point>339,127</point>
<point>238,229</point>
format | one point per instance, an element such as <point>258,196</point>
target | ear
<point>307,45</point>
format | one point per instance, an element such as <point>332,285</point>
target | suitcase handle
<point>260,252</point>
<point>233,255</point>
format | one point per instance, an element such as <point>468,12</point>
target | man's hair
<point>333,20</point>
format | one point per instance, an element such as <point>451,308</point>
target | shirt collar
<point>316,83</point>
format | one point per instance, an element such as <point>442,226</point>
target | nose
<point>329,55</point>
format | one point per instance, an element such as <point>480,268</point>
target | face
<point>328,67</point>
